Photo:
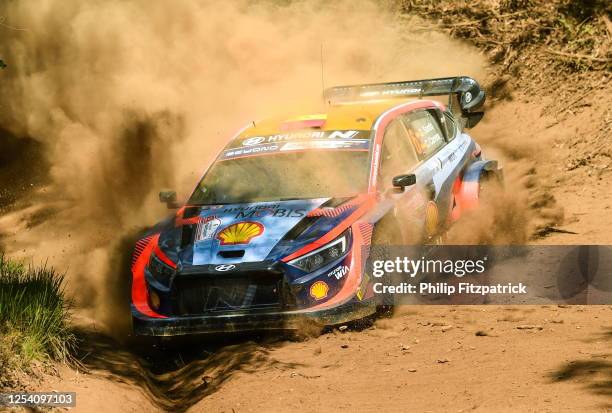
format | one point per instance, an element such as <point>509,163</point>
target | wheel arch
<point>467,190</point>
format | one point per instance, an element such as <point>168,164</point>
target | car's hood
<point>245,232</point>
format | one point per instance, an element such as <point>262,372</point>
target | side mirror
<point>402,181</point>
<point>168,198</point>
<point>473,118</point>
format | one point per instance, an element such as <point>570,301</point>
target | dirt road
<point>426,359</point>
<point>439,359</point>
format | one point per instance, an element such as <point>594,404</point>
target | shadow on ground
<point>177,377</point>
<point>594,374</point>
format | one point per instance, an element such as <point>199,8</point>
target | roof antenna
<point>322,76</point>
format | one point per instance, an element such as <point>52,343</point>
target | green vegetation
<point>568,36</point>
<point>33,318</point>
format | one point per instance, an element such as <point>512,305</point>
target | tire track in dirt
<point>177,377</point>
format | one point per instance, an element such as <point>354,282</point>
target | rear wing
<point>466,90</point>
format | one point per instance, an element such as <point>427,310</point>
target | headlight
<point>324,255</point>
<point>160,271</point>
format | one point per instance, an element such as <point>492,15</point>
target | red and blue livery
<point>278,230</point>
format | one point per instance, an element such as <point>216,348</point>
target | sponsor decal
<point>327,144</point>
<point>260,211</point>
<point>298,141</point>
<point>429,135</point>
<point>240,233</point>
<point>391,92</point>
<point>225,267</point>
<point>431,218</point>
<point>342,134</point>
<point>250,208</point>
<point>319,290</point>
<point>277,213</point>
<point>233,153</point>
<point>426,128</point>
<point>207,228</point>
<point>256,140</point>
<point>339,272</point>
<point>363,287</point>
<point>303,135</point>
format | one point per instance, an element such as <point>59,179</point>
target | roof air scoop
<point>304,122</point>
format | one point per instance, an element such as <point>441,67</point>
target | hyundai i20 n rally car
<point>277,231</point>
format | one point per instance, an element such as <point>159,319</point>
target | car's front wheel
<point>387,236</point>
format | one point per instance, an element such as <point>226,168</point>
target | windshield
<point>283,176</point>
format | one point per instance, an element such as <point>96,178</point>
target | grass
<point>33,316</point>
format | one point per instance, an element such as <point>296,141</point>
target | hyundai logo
<point>253,141</point>
<point>225,267</point>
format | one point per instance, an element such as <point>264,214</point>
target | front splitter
<point>249,321</point>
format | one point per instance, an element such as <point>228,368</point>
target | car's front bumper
<point>236,322</point>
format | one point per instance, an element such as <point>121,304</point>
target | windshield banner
<point>298,141</point>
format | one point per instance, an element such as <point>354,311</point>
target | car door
<point>399,157</point>
<point>459,152</point>
<point>425,133</point>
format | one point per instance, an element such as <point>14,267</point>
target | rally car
<point>277,231</point>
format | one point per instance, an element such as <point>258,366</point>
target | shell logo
<point>319,290</point>
<point>240,233</point>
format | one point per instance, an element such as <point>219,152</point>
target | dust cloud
<point>520,209</point>
<point>131,96</point>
